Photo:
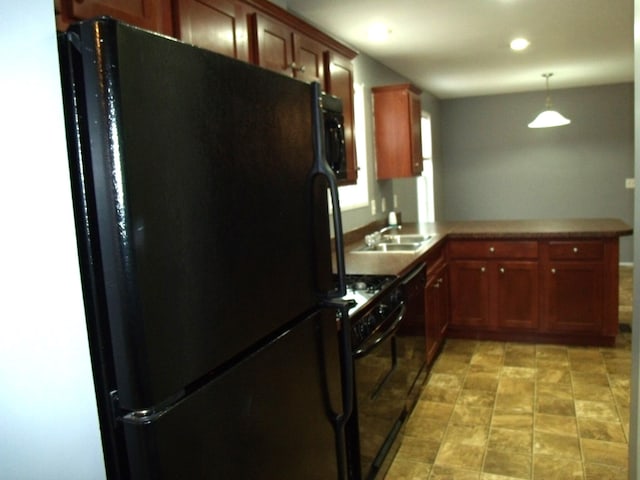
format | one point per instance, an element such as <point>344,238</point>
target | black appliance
<point>389,367</point>
<point>219,343</point>
<point>334,135</point>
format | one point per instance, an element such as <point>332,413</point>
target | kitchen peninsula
<point>550,281</point>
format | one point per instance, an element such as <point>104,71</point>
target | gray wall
<point>48,413</point>
<point>494,167</point>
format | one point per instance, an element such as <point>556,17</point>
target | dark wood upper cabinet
<point>217,25</point>
<point>255,31</point>
<point>308,56</point>
<point>278,47</point>
<point>398,135</point>
<point>148,14</point>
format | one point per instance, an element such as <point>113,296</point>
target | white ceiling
<point>460,48</point>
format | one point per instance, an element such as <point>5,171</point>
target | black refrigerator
<point>219,344</point>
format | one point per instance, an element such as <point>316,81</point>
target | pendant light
<point>549,118</point>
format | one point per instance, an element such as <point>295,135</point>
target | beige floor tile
<point>514,402</point>
<point>556,468</point>
<point>556,424</point>
<point>553,375</point>
<point>511,411</point>
<point>436,411</point>
<point>528,373</point>
<point>440,472</point>
<point>516,441</point>
<point>402,469</point>
<point>487,358</point>
<point>619,366</point>
<point>600,430</point>
<point>553,405</point>
<point>478,398</point>
<point>605,411</point>
<point>477,435</point>
<point>555,445</point>
<point>600,393</point>
<point>605,472</point>
<point>491,348</point>
<point>590,378</point>
<point>437,393</point>
<point>453,454</point>
<point>607,453</point>
<point>491,476</point>
<point>508,464</point>
<point>512,420</point>
<point>425,428</point>
<point>482,381</point>
<point>416,449</point>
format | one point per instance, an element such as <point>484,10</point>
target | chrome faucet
<point>374,238</point>
<point>390,227</point>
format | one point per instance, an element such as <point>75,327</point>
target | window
<point>354,196</point>
<point>426,208</point>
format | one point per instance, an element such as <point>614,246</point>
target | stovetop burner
<point>362,288</point>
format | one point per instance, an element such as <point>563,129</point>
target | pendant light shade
<point>549,117</point>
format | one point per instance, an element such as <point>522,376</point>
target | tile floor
<point>506,411</point>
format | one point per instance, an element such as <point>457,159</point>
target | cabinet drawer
<point>493,249</point>
<point>577,250</point>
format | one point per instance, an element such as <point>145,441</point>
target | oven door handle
<point>369,346</point>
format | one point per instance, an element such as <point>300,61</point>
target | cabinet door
<point>339,82</point>
<point>515,294</point>
<point>272,45</point>
<point>574,297</point>
<point>308,58</point>
<point>436,308</point>
<point>217,25</point>
<point>397,117</point>
<point>469,293</point>
<point>142,13</point>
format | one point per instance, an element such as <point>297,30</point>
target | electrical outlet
<point>395,201</point>
<point>383,205</point>
<point>630,183</point>
<point>373,207</point>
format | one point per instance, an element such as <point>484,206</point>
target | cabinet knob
<point>482,269</point>
<point>575,249</point>
<point>491,249</point>
<point>553,270</point>
<point>501,269</point>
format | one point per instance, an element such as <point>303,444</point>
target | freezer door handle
<point>321,167</point>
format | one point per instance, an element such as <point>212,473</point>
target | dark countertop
<point>398,263</point>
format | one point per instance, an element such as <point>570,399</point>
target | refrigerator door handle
<point>321,167</point>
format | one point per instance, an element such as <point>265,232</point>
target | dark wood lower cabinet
<point>516,295</point>
<point>574,300</point>
<point>469,287</point>
<point>567,294</point>
<point>436,306</point>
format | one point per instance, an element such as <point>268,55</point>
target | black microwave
<point>334,135</point>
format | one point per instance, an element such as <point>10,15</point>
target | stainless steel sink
<point>408,238</point>
<point>390,247</point>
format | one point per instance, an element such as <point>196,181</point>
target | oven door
<point>381,393</point>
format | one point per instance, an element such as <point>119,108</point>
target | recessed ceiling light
<point>519,44</point>
<point>378,32</point>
